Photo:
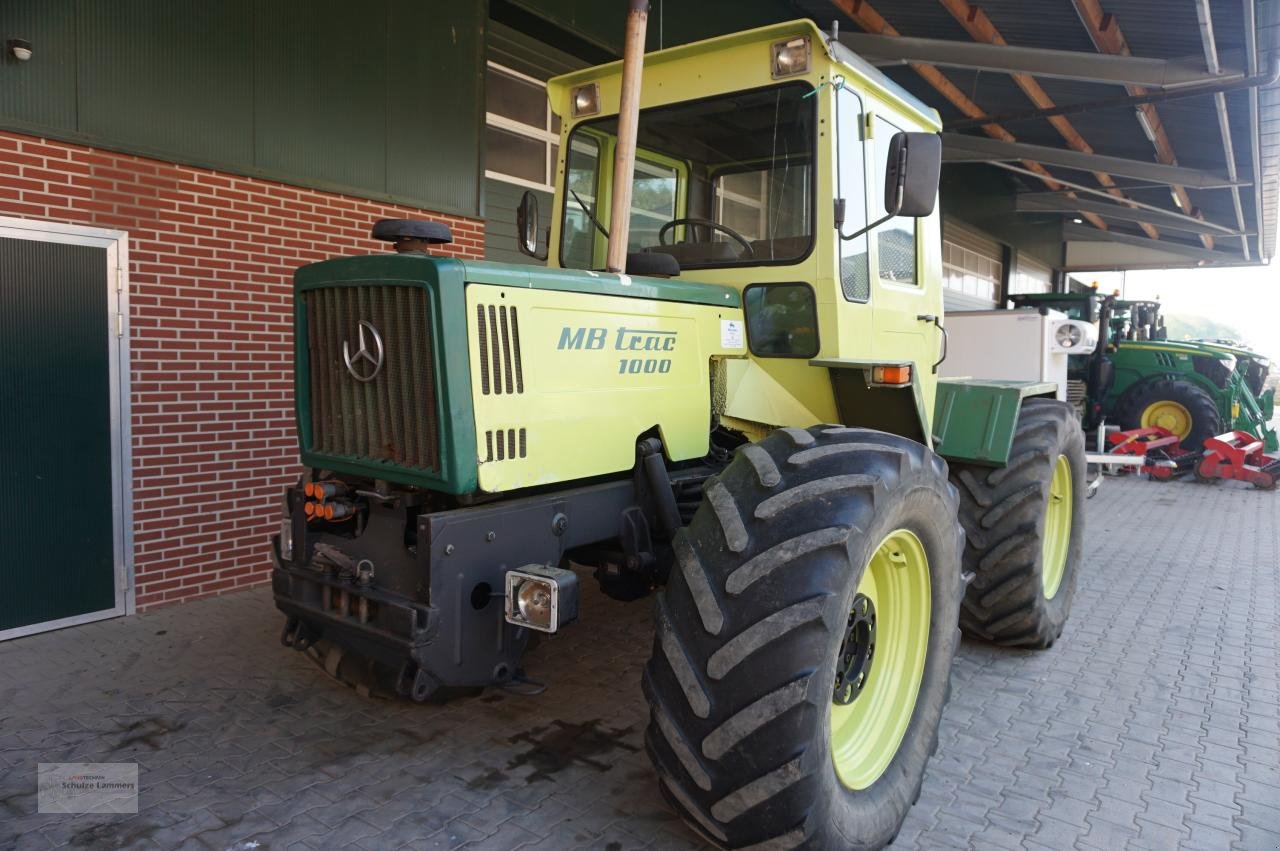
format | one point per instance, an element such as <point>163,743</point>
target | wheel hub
<point>853,665</point>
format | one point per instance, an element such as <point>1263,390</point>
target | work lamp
<point>541,597</point>
<point>790,57</point>
<point>585,100</point>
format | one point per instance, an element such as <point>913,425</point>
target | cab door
<point>906,281</point>
<point>852,292</point>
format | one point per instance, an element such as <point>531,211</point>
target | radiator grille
<point>504,444</point>
<point>1077,392</point>
<point>393,417</point>
<point>498,329</point>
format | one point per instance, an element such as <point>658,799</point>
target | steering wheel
<point>707,223</point>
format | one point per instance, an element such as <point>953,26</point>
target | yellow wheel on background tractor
<point>1168,415</point>
<point>1183,408</point>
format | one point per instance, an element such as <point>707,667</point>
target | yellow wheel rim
<point>1057,528</point>
<point>1168,415</point>
<point>876,687</point>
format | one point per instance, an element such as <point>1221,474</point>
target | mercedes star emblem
<point>364,364</point>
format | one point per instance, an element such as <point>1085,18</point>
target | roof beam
<point>1105,32</point>
<point>1042,62</point>
<point>1212,61</point>
<point>1075,233</point>
<point>861,13</point>
<point>1056,202</point>
<point>958,147</point>
<point>980,28</point>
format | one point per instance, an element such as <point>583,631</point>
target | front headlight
<point>541,597</point>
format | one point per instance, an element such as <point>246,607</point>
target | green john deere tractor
<point>1140,378</point>
<point>719,391</point>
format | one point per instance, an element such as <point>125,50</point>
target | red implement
<point>1152,444</point>
<point>1241,456</point>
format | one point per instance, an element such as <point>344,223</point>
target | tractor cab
<point>1137,320</point>
<point>777,163</point>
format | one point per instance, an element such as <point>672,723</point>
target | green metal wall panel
<point>160,76</point>
<point>55,433</point>
<point>320,94</point>
<point>382,98</point>
<point>435,102</point>
<point>40,94</point>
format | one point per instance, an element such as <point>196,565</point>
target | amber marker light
<point>896,375</point>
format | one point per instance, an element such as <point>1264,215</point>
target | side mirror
<point>527,226</point>
<point>912,173</point>
<point>910,180</point>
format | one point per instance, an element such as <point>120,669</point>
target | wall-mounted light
<point>1077,221</point>
<point>19,48</point>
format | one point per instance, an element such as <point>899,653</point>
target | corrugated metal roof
<point>1153,29</point>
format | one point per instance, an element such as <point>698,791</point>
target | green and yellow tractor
<point>718,391</point>
<point>1195,389</point>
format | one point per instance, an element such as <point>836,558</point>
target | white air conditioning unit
<point>1015,345</point>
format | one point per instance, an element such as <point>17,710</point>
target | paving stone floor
<point>1154,722</point>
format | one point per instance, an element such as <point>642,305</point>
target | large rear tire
<point>1024,525</point>
<point>1180,407</point>
<point>814,550</point>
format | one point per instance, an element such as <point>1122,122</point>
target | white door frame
<point>116,325</point>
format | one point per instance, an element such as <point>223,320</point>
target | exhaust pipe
<point>624,159</point>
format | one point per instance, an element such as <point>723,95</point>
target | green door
<point>58,534</point>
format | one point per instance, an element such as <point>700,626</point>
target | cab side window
<point>896,238</point>
<point>855,280</point>
<point>782,320</point>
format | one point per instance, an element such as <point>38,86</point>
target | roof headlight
<point>585,100</point>
<point>790,57</point>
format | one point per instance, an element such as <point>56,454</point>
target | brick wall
<point>211,257</point>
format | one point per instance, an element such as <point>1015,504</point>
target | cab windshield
<point>724,181</point>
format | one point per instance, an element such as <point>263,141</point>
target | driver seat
<point>686,253</point>
<point>652,263</point>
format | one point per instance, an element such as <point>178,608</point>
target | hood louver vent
<point>504,444</point>
<point>501,372</point>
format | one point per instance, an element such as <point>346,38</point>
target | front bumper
<point>429,606</point>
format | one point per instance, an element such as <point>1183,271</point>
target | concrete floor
<point>1153,723</point>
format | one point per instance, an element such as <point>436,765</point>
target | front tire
<point>775,577</point>
<point>1024,525</point>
